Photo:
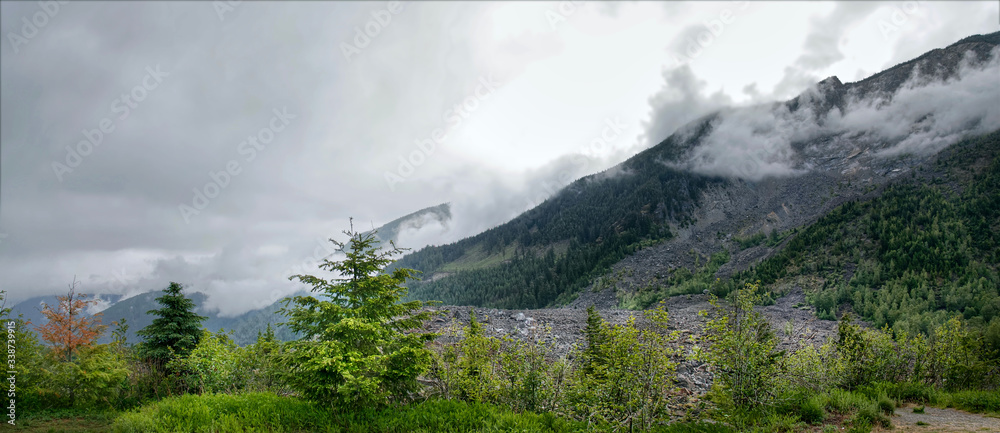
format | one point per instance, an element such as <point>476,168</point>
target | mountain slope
<point>440,214</point>
<point>244,327</point>
<point>924,248</point>
<point>729,175</point>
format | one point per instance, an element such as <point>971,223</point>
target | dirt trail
<point>942,420</point>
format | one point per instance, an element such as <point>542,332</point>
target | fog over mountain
<point>148,142</point>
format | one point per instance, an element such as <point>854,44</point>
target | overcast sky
<point>287,119</point>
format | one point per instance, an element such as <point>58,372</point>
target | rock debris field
<point>794,323</point>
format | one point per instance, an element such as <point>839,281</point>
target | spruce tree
<point>176,331</point>
<point>360,345</point>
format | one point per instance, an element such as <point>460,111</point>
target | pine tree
<point>593,355</point>
<point>357,343</point>
<point>176,331</point>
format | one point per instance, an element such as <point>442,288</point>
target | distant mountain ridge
<point>390,231</point>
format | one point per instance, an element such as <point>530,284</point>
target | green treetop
<point>176,331</point>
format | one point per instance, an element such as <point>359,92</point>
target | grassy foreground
<point>267,412</point>
<point>263,412</point>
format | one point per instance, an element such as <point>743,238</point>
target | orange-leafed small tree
<point>68,328</point>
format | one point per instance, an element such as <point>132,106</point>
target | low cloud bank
<point>922,117</point>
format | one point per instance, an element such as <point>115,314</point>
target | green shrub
<point>812,410</point>
<point>627,373</point>
<point>742,347</point>
<point>92,379</point>
<point>957,360</point>
<point>844,402</point>
<point>975,401</point>
<point>870,414</point>
<point>886,404</point>
<point>804,404</point>
<point>911,392</point>
<point>212,366</point>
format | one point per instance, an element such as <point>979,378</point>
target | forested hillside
<point>543,256</point>
<point>927,248</point>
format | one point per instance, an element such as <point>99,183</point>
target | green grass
<point>262,412</point>
<point>987,402</point>
<point>65,421</point>
<point>259,412</point>
<point>971,401</point>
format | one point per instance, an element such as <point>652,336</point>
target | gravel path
<point>942,420</point>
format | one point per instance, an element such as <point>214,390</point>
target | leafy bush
<point>886,404</point>
<point>213,366</point>
<point>976,401</point>
<point>91,379</point>
<point>871,415</point>
<point>812,410</point>
<point>869,355</point>
<point>217,364</point>
<point>742,348</point>
<point>627,372</point>
<point>816,369</point>
<point>956,357</point>
<point>512,373</point>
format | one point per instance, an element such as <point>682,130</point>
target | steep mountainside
<point>390,231</point>
<point>729,177</point>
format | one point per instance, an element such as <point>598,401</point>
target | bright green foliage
<point>627,373</point>
<point>817,369</point>
<point>262,362</point>
<point>92,379</point>
<point>30,365</point>
<point>354,347</point>
<point>517,374</point>
<point>742,347</point>
<point>957,357</point>
<point>868,356</point>
<point>257,412</point>
<point>213,366</point>
<point>176,330</point>
<point>217,364</point>
<point>530,380</point>
<point>47,380</point>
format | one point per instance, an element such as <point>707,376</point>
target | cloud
<point>680,101</point>
<point>922,117</point>
<point>822,47</point>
